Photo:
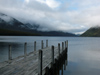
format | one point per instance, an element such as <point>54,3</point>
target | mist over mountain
<point>92,32</point>
<point>10,23</point>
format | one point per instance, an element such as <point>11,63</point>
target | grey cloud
<point>5,18</point>
<point>75,21</point>
<point>34,5</point>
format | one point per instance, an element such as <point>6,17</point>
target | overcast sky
<point>74,16</point>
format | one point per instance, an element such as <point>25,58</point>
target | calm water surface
<point>83,52</point>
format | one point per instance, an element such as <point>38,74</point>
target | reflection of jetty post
<point>46,61</point>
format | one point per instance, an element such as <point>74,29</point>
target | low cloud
<point>6,18</point>
<point>74,16</point>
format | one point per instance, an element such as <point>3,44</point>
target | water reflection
<point>84,57</point>
<point>63,66</point>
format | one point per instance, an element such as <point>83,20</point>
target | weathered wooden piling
<point>40,62</point>
<point>62,46</point>
<point>65,44</point>
<point>9,53</point>
<point>59,48</point>
<point>52,54</point>
<point>42,44</point>
<point>34,45</point>
<point>25,49</point>
<point>46,43</point>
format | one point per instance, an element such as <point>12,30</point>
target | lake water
<point>83,52</point>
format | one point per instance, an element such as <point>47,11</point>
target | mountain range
<point>92,32</point>
<point>12,26</point>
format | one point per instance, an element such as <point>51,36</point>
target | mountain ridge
<point>10,23</point>
<point>92,32</point>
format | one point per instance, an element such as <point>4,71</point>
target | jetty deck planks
<point>27,65</point>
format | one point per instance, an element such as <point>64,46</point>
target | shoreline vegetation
<point>92,32</point>
<point>7,32</point>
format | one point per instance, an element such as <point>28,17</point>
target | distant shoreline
<point>7,32</point>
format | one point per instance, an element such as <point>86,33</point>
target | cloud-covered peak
<point>74,16</point>
<point>5,17</point>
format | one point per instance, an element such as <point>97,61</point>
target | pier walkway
<point>39,62</point>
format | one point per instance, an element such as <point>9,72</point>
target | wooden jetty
<point>46,61</point>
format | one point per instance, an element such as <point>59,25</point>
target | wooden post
<point>46,43</point>
<point>62,46</point>
<point>42,44</point>
<point>25,49</point>
<point>65,45</point>
<point>59,49</point>
<point>35,46</point>
<point>40,62</point>
<point>52,54</point>
<point>9,53</point>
